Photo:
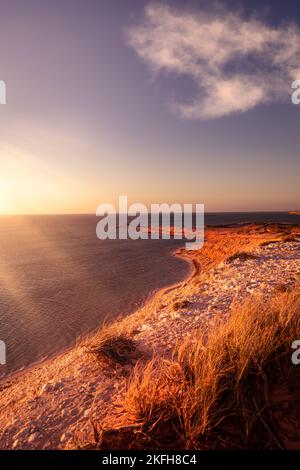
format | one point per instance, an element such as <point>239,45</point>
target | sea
<point>58,281</point>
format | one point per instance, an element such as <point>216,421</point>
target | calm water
<point>58,281</point>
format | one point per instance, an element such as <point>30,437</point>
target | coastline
<point>61,394</point>
<point>159,291</point>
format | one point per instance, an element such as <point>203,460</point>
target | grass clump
<point>241,256</point>
<point>113,344</point>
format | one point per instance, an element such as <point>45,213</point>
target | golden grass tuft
<point>218,391</point>
<point>113,343</point>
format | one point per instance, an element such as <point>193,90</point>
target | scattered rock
<point>16,444</point>
<point>65,436</point>
<point>33,437</point>
<point>46,388</point>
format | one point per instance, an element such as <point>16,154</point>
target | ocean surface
<point>59,282</point>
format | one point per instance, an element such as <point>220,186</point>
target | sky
<point>169,101</point>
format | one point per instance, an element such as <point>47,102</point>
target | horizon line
<point>41,214</point>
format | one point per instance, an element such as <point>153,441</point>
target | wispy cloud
<point>236,63</point>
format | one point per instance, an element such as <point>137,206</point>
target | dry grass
<point>180,304</point>
<point>283,288</point>
<point>113,343</point>
<point>241,255</point>
<point>218,390</point>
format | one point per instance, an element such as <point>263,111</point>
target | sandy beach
<point>56,404</point>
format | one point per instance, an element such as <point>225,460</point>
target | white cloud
<point>236,63</point>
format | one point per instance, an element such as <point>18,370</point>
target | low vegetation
<point>241,256</point>
<point>219,390</point>
<point>114,344</point>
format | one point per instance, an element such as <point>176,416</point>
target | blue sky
<point>96,107</point>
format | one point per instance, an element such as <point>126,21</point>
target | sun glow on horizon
<point>30,186</point>
<point>21,180</point>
